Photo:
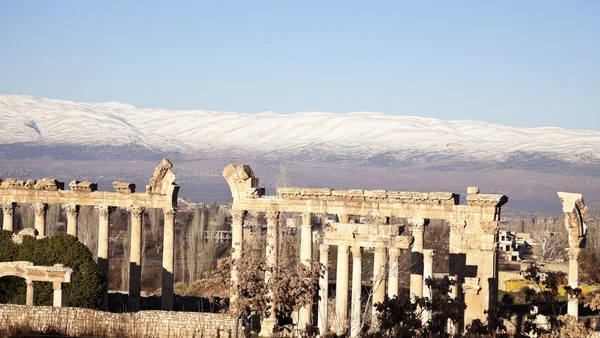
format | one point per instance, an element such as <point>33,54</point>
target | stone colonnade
<point>473,241</point>
<point>161,193</point>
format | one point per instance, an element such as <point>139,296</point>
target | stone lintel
<point>28,271</point>
<point>486,200</point>
<point>371,241</point>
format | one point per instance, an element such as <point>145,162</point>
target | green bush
<point>87,281</point>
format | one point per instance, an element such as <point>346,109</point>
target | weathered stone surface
<point>83,186</point>
<point>49,184</point>
<point>124,187</point>
<point>77,322</point>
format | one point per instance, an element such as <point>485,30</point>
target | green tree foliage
<point>87,281</point>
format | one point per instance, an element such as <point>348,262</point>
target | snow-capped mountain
<point>40,121</point>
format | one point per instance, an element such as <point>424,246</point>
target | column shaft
<point>416,258</point>
<point>40,218</point>
<point>271,254</point>
<point>344,218</point>
<point>237,241</point>
<point>324,290</point>
<point>72,213</point>
<point>355,325</point>
<point>573,303</point>
<point>394,272</point>
<point>135,259</point>
<point>427,273</point>
<point>305,258</point>
<point>341,287</point>
<point>8,210</point>
<point>103,238</point>
<point>168,260</point>
<point>378,280</point>
<point>58,297</point>
<point>29,296</point>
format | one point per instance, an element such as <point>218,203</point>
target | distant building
<point>513,246</point>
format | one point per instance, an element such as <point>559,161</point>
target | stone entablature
<point>26,270</point>
<point>404,197</point>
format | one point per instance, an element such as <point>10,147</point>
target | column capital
<point>380,250</point>
<point>237,216</point>
<point>71,209</point>
<point>136,212</point>
<point>357,252</point>
<point>103,211</point>
<point>457,226</point>
<point>272,217</point>
<point>170,213</point>
<point>8,208</point>
<point>394,253</point>
<point>428,255</point>
<point>418,224</point>
<point>40,208</point>
<point>489,227</point>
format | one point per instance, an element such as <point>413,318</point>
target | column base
<point>267,326</point>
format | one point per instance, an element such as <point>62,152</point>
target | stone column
<point>394,272</point>
<point>344,218</point>
<point>72,211</point>
<point>268,324</point>
<point>58,299</point>
<point>168,259</point>
<point>453,293</point>
<point>324,289</point>
<point>427,273</point>
<point>341,290</point>
<point>8,210</point>
<point>135,258</point>
<point>29,295</point>
<point>306,259</point>
<point>378,280</point>
<point>573,304</point>
<point>416,257</point>
<point>356,290</point>
<point>103,241</point>
<point>237,241</point>
<point>103,237</point>
<point>40,218</point>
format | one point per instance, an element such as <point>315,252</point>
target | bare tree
<point>550,239</point>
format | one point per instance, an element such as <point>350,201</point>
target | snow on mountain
<point>26,119</point>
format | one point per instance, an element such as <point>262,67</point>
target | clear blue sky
<point>523,63</point>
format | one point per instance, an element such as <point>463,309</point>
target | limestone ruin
<point>473,241</point>
<point>161,193</point>
<point>56,274</point>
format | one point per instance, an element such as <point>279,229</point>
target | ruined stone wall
<point>80,322</point>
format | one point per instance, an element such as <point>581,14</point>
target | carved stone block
<point>124,187</point>
<point>83,186</point>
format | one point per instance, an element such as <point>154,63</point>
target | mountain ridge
<point>356,135</point>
